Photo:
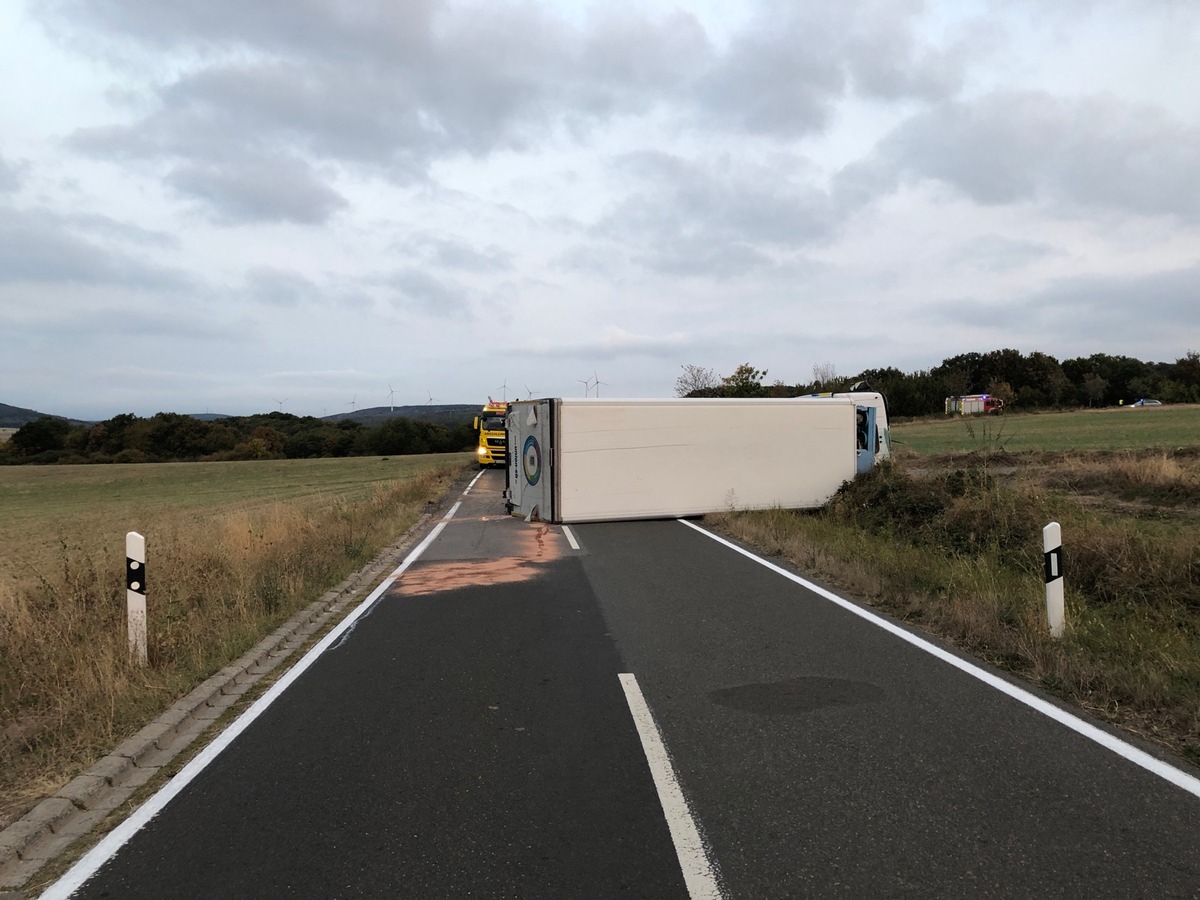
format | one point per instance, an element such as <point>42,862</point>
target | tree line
<point>1024,382</point>
<point>174,437</point>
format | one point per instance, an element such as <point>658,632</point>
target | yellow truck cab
<point>490,425</point>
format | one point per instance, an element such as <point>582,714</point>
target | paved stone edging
<point>56,823</point>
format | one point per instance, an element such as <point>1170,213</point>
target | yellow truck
<point>490,425</point>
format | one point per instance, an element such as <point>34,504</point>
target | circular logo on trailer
<point>531,460</point>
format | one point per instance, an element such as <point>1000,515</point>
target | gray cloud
<point>698,257</point>
<point>288,289</point>
<point>279,287</point>
<point>394,87</point>
<point>135,320</point>
<point>9,182</point>
<point>609,344</point>
<point>1139,312</point>
<point>263,190</point>
<point>1078,155</point>
<point>472,166</point>
<point>457,254</point>
<point>783,74</point>
<point>886,61</point>
<point>385,85</point>
<point>995,253</point>
<point>46,248</point>
<point>107,227</point>
<point>1150,308</point>
<point>281,25</point>
<point>723,217</point>
<point>416,289</point>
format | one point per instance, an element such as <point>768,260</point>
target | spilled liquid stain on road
<point>533,547</point>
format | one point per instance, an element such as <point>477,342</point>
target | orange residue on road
<point>432,578</point>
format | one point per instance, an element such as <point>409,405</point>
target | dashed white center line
<point>570,535</point>
<point>699,874</point>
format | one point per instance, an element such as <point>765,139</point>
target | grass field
<point>233,549</point>
<point>95,506</point>
<point>1165,427</point>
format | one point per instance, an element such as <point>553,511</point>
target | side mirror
<point>476,425</point>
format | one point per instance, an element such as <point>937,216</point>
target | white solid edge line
<point>1138,757</point>
<point>108,846</point>
<point>473,480</point>
<point>698,872</point>
<point>570,537</point>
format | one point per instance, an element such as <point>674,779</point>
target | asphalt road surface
<point>470,735</point>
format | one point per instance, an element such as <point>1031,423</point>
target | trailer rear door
<point>530,459</point>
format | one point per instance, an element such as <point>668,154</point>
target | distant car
<point>1145,402</point>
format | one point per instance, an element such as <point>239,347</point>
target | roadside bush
<point>1123,565</point>
<point>965,511</point>
<point>885,501</point>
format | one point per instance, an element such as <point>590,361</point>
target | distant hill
<point>442,414</point>
<point>16,416</point>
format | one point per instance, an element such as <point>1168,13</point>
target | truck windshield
<point>493,423</point>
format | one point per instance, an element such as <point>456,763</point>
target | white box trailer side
<point>580,460</point>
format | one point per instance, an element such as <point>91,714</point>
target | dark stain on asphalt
<point>797,696</point>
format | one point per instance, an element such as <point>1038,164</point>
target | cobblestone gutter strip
<point>51,827</point>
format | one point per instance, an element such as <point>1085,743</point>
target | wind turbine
<point>587,386</point>
<point>391,397</point>
<point>596,378</point>
<point>504,388</point>
<point>430,393</point>
<point>281,402</point>
<point>529,391</point>
<point>353,400</point>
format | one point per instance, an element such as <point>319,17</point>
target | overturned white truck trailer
<point>592,460</point>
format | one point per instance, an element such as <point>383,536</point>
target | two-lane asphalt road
<point>469,734</point>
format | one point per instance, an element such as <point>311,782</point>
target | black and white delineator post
<point>1056,613</point>
<point>135,595</point>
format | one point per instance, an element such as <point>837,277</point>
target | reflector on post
<point>135,595</point>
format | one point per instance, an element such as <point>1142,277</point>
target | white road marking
<point>472,484</point>
<point>87,865</point>
<point>570,537</point>
<point>1152,764</point>
<point>376,595</point>
<point>698,872</point>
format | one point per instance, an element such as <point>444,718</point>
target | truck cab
<point>873,431</point>
<point>492,439</point>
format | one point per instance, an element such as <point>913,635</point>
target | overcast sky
<point>240,206</point>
